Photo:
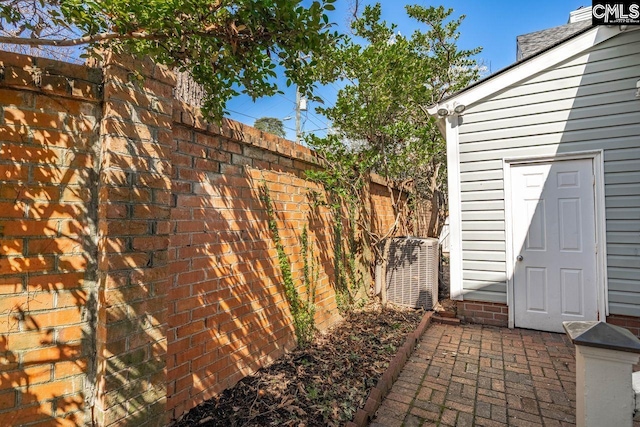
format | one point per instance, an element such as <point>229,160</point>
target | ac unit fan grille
<point>412,272</point>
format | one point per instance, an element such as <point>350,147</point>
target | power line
<point>242,114</point>
<point>316,118</point>
<point>290,100</point>
<point>327,103</point>
<point>271,106</point>
<point>313,121</point>
<point>335,87</point>
<point>256,118</point>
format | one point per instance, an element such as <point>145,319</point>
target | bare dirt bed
<point>321,385</point>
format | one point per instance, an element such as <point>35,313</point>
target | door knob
<point>519,257</point>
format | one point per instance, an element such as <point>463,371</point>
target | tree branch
<point>78,41</point>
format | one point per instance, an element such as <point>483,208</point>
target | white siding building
<point>544,181</point>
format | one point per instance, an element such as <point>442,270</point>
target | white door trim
<point>597,158</point>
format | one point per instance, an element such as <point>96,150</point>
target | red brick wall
<point>421,218</point>
<point>414,220</point>
<point>48,132</point>
<point>227,311</point>
<point>133,211</point>
<point>628,322</point>
<point>138,275</point>
<point>485,313</point>
<point>383,215</point>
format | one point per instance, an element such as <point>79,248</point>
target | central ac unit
<point>412,272</point>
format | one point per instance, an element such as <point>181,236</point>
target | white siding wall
<point>586,103</point>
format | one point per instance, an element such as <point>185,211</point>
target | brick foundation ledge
<point>628,322</point>
<point>365,415</point>
<point>484,313</point>
<point>497,314</point>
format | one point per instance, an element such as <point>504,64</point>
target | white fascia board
<point>529,68</point>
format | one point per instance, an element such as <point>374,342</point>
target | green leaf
<point>208,39</point>
<point>379,115</point>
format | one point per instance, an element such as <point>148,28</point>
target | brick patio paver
<point>474,375</point>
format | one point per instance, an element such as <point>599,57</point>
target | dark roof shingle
<point>529,44</point>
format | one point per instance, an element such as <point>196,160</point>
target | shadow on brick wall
<point>138,273</point>
<point>133,205</point>
<point>47,290</point>
<point>228,314</point>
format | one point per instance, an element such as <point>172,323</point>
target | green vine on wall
<point>349,292</point>
<point>310,273</point>
<point>303,312</point>
<point>349,285</point>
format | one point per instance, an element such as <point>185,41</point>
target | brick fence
<point>138,275</point>
<point>48,239</point>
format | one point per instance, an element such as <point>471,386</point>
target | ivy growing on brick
<point>349,285</point>
<point>302,311</point>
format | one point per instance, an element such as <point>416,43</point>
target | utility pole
<point>297,114</point>
<point>301,104</point>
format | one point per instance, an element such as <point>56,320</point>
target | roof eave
<point>527,67</point>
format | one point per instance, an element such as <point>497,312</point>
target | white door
<point>554,243</point>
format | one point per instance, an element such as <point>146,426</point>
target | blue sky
<point>491,24</point>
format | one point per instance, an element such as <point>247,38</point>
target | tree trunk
<point>385,262</point>
<point>432,230</point>
<point>365,261</point>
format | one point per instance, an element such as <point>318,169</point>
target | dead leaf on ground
<point>322,385</point>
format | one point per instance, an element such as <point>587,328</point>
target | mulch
<point>321,385</point>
